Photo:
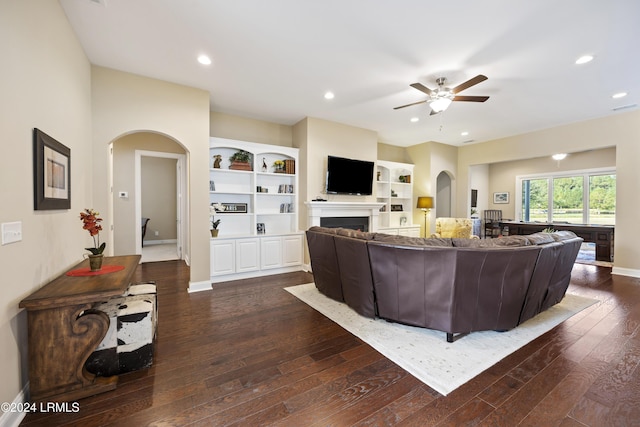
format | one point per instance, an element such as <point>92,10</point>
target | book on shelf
<point>290,166</point>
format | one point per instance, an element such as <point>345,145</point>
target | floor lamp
<point>425,203</point>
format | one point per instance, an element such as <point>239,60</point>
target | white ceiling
<point>274,60</point>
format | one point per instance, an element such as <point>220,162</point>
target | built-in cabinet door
<point>410,231</point>
<point>271,248</point>
<point>247,255</point>
<point>388,230</point>
<point>223,257</point>
<point>292,250</point>
<point>229,256</point>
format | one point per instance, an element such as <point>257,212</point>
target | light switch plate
<point>11,232</point>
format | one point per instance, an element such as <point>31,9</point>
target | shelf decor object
<point>241,160</point>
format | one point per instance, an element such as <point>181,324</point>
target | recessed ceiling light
<point>329,95</point>
<point>414,119</point>
<point>619,95</point>
<point>204,60</point>
<point>584,59</point>
<point>465,133</point>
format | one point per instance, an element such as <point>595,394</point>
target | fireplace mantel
<point>317,210</point>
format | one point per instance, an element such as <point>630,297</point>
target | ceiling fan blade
<point>471,82</point>
<point>409,105</point>
<point>421,88</point>
<point>470,98</point>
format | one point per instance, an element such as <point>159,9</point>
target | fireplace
<point>344,212</point>
<point>360,223</point>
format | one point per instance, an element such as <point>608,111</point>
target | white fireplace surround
<point>317,210</point>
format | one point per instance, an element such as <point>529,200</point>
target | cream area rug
<point>425,353</point>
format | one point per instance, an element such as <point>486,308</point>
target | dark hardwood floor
<point>250,354</point>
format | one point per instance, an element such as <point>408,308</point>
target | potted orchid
<point>91,223</point>
<point>214,209</point>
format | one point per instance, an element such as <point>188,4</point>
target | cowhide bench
<point>128,344</point>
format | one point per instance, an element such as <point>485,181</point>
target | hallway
<point>163,252</point>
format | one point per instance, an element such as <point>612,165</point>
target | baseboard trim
<point>199,286</point>
<point>160,242</point>
<point>254,273</point>
<point>13,419</point>
<point>631,272</point>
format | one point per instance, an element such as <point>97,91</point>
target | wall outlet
<point>156,233</point>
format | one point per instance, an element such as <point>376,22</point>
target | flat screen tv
<point>349,176</point>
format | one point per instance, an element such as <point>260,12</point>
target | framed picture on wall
<point>51,173</point>
<point>499,198</point>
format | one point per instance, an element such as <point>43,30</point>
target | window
<point>602,199</point>
<point>535,199</point>
<point>585,197</point>
<point>568,200</point>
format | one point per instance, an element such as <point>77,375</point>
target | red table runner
<point>86,271</point>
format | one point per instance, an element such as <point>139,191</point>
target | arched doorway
<point>443,195</point>
<point>136,158</point>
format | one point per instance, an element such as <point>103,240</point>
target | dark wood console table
<point>64,329</point>
<point>601,235</point>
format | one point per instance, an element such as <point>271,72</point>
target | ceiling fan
<point>441,97</point>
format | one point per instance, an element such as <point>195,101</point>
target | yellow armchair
<point>454,227</point>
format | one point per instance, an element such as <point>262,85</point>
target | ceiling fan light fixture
<point>439,104</point>
<point>559,156</point>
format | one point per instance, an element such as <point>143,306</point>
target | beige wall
<point>45,83</point>
<point>124,210</point>
<point>393,153</point>
<point>430,159</point>
<point>158,187</point>
<point>300,138</point>
<point>251,130</point>
<point>124,103</point>
<point>621,130</point>
<point>479,180</point>
<point>326,138</point>
<point>502,176</point>
<point>420,156</point>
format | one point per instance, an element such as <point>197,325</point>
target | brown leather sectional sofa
<point>453,285</point>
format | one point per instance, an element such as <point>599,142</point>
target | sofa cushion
<point>540,238</point>
<point>491,243</point>
<point>412,241</point>
<point>561,235</point>
<point>356,234</point>
<point>512,241</point>
<point>325,230</point>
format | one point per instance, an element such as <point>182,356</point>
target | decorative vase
<point>95,262</point>
<point>214,232</point>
